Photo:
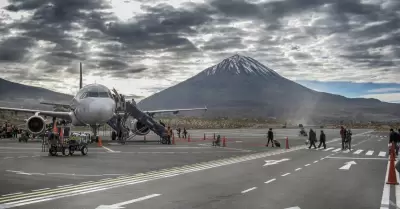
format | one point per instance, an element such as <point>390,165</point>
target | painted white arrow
<point>347,165</point>
<point>119,205</point>
<point>273,162</point>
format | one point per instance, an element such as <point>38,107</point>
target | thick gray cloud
<point>15,48</point>
<point>168,41</point>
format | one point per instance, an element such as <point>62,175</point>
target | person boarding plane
<point>93,105</point>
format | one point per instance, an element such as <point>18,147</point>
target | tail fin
<point>80,75</point>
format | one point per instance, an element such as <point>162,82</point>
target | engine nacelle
<point>36,125</point>
<point>140,128</point>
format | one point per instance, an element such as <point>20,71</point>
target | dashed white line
<point>269,181</point>
<point>337,150</point>
<point>329,148</point>
<point>36,190</point>
<point>358,152</point>
<point>8,157</point>
<point>370,152</point>
<point>315,161</point>
<point>382,154</point>
<point>4,195</point>
<point>22,156</point>
<point>297,169</point>
<point>306,164</point>
<point>285,174</point>
<point>322,158</point>
<point>248,190</point>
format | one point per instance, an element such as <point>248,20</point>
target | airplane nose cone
<point>104,110</point>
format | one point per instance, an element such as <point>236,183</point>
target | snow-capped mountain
<point>240,86</point>
<point>241,65</point>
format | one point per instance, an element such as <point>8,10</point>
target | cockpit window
<point>92,94</point>
<point>94,90</point>
<point>103,94</point>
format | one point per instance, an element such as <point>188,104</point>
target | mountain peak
<point>238,64</point>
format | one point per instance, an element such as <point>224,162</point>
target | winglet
<point>80,75</point>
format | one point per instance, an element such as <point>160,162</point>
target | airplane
<point>93,105</point>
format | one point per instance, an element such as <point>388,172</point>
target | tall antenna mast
<point>80,75</point>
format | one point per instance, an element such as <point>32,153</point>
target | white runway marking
<point>285,174</point>
<point>298,169</point>
<point>397,190</point>
<point>382,154</point>
<point>119,205</point>
<point>36,190</point>
<point>269,181</point>
<point>386,191</point>
<point>358,152</point>
<point>370,152</point>
<point>5,195</point>
<point>65,185</point>
<point>248,190</point>
<point>108,149</point>
<point>357,158</point>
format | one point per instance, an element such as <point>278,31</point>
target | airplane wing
<point>62,115</point>
<point>56,104</point>
<point>174,111</point>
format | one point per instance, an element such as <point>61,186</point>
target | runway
<point>193,174</point>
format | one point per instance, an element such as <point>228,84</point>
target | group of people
<point>170,132</point>
<point>312,138</point>
<point>8,130</point>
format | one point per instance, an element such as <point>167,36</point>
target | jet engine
<point>140,128</point>
<point>36,124</point>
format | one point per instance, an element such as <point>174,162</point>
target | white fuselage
<point>93,105</point>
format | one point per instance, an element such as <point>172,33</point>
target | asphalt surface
<point>245,174</point>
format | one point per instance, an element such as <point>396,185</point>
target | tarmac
<point>244,174</point>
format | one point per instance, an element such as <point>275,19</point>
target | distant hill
<point>240,86</point>
<point>19,95</point>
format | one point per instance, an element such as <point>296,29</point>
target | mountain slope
<point>28,96</point>
<point>240,86</point>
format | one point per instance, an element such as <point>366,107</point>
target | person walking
<point>313,138</point>
<point>343,135</point>
<point>322,139</point>
<point>270,136</point>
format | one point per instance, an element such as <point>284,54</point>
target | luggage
<point>276,143</point>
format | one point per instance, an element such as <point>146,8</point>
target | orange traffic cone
<point>392,179</point>
<point>287,143</point>
<point>224,142</point>
<point>99,143</point>
<point>55,130</point>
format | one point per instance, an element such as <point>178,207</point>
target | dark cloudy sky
<point>142,46</point>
